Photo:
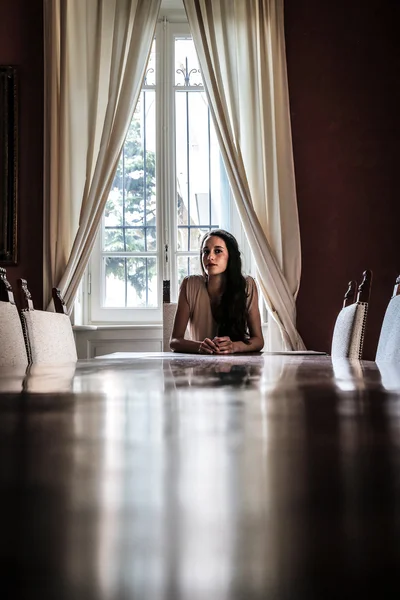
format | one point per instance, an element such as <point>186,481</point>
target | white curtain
<point>96,52</point>
<point>241,50</point>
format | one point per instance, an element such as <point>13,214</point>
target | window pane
<point>187,68</point>
<point>114,268</point>
<point>202,208</point>
<point>130,282</point>
<point>142,280</point>
<point>151,239</point>
<point>183,238</point>
<point>195,237</point>
<point>188,265</point>
<point>135,241</point>
<point>151,213</point>
<point>133,214</point>
<point>114,240</point>
<point>114,208</point>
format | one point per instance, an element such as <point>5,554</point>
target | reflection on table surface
<point>182,476</point>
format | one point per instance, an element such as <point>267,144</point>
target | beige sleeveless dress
<point>201,322</point>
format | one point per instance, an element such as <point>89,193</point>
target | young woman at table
<point>220,306</point>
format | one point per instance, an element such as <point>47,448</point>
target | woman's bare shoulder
<point>194,281</point>
<point>250,282</point>
<point>251,290</point>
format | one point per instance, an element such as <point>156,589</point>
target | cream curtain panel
<point>96,52</point>
<point>241,50</point>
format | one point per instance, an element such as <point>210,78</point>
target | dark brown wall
<point>343,71</point>
<point>21,45</point>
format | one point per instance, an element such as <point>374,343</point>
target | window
<point>170,188</point>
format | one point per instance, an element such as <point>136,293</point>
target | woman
<point>221,306</point>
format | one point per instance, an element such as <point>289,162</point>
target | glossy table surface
<point>169,476</point>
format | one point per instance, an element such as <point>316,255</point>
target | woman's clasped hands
<point>218,345</point>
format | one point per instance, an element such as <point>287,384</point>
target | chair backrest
<point>350,295</point>
<point>48,335</point>
<point>389,338</point>
<point>12,344</point>
<point>348,334</point>
<point>169,310</point>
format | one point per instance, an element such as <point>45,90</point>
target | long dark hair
<point>231,315</point>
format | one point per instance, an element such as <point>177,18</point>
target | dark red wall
<point>21,45</point>
<point>343,71</point>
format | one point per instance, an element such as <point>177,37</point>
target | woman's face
<point>214,256</point>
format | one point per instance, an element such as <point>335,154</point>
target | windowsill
<point>109,326</point>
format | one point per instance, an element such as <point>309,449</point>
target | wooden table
<point>169,476</point>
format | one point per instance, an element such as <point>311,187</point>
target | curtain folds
<point>95,59</point>
<point>241,51</point>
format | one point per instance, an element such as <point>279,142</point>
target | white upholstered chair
<point>48,335</point>
<point>12,344</point>
<point>348,334</point>
<point>389,339</point>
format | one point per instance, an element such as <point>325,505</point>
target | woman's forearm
<point>183,345</point>
<point>255,344</point>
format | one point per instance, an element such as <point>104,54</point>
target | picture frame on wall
<point>8,165</point>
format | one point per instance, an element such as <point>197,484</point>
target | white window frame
<point>92,311</point>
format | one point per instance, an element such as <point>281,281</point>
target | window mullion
<point>163,158</point>
<point>169,151</point>
<point>188,162</point>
